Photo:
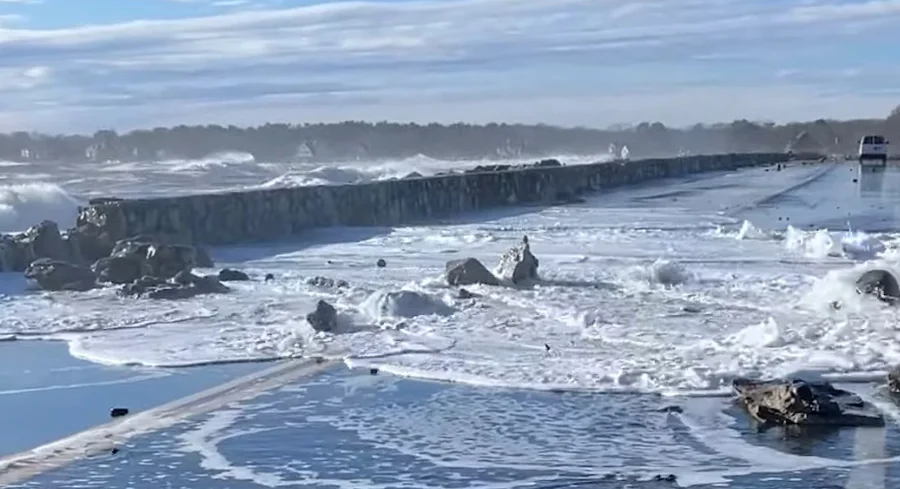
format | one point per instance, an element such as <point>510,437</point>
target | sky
<point>80,66</point>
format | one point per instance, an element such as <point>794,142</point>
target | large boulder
<point>56,275</point>
<point>41,241</point>
<point>879,283</point>
<point>799,402</point>
<point>120,269</point>
<point>45,241</point>
<point>518,264</point>
<point>324,318</point>
<point>161,259</point>
<point>232,275</point>
<point>91,242</point>
<point>468,271</point>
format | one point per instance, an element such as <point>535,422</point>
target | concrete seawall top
<point>269,214</point>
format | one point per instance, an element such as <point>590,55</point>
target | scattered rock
<point>518,264</point>
<point>56,275</point>
<point>118,412</point>
<point>465,294</point>
<point>799,402</point>
<point>893,380</point>
<point>324,318</point>
<point>879,283</point>
<point>325,282</point>
<point>269,276</point>
<point>671,409</point>
<point>373,371</point>
<point>469,271</point>
<point>381,263</point>
<point>231,275</point>
<point>183,285</point>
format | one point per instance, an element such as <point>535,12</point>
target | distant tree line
<point>355,140</point>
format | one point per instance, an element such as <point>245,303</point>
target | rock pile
<point>84,258</point>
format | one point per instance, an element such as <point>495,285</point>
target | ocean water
<point>655,294</point>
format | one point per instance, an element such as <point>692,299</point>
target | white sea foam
<point>24,205</point>
<point>299,175</point>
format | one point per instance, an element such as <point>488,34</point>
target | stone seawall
<point>268,214</point>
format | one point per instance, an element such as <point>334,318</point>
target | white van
<point>873,148</point>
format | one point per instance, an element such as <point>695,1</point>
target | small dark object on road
<point>671,409</point>
<point>269,276</point>
<point>381,263</point>
<point>118,412</point>
<point>373,371</point>
<point>114,451</point>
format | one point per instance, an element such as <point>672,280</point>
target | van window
<point>873,140</point>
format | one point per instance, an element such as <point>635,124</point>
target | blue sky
<point>82,65</point>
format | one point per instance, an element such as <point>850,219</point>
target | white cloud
<point>562,61</point>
